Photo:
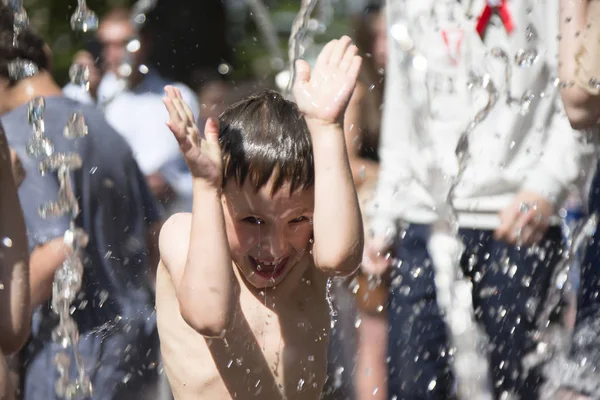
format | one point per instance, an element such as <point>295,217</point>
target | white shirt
<point>509,152</point>
<point>77,93</point>
<point>140,116</point>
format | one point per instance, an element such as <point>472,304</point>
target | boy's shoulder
<point>173,240</point>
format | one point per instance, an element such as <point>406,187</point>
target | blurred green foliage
<point>51,20</point>
<point>250,56</point>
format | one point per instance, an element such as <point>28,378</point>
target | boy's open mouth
<point>268,269</point>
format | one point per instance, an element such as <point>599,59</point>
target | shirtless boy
<point>241,305</point>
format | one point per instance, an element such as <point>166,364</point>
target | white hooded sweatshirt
<point>514,148</point>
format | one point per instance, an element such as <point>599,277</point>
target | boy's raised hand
<point>202,155</point>
<point>323,94</point>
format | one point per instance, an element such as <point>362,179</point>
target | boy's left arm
<point>322,97</point>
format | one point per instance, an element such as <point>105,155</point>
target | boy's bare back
<point>276,348</point>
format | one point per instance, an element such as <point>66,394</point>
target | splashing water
<point>84,19</point>
<point>329,297</point>
<point>21,20</point>
<point>68,278</point>
<point>445,246</point>
<point>523,59</point>
<point>299,29</point>
<point>570,360</point>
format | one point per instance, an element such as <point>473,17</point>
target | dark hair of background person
<point>29,45</point>
<point>265,136</point>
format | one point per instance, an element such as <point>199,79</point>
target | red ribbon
<point>502,11</point>
<point>453,46</point>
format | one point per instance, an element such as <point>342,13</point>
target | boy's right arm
<point>194,249</point>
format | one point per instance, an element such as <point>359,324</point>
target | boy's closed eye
<point>253,220</point>
<point>258,221</point>
<point>299,219</point>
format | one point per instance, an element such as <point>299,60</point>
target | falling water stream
<point>297,35</point>
<point>68,278</point>
<point>454,292</point>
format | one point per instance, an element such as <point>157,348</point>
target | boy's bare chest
<point>280,344</point>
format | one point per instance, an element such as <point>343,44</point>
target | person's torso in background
<point>115,210</point>
<point>507,143</point>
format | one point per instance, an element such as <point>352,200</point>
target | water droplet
<point>7,242</point>
<point>133,45</point>
<point>35,109</point>
<point>79,75</point>
<point>594,83</point>
<point>84,19</point>
<point>127,377</point>
<point>432,385</point>
<point>76,127</point>
<point>300,385</point>
<point>39,146</point>
<point>103,296</point>
<point>526,58</point>
<point>530,33</point>
<point>311,358</point>
<point>20,23</point>
<point>20,68</point>
<point>224,69</point>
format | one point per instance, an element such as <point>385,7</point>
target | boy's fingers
<point>177,93</point>
<point>179,134</point>
<point>211,130</point>
<point>302,71</point>
<point>181,111</point>
<point>348,57</point>
<point>188,112</point>
<point>169,91</point>
<point>173,114</point>
<point>325,54</point>
<point>338,51</point>
<point>354,69</point>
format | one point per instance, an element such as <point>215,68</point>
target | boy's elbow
<point>208,324</point>
<point>342,263</point>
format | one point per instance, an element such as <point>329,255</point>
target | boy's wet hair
<point>265,136</point>
<point>29,45</point>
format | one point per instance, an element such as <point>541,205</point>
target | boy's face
<point>268,235</point>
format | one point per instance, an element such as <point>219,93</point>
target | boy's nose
<point>275,246</point>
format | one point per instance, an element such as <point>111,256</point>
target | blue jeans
<point>589,302</point>
<point>503,298</point>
